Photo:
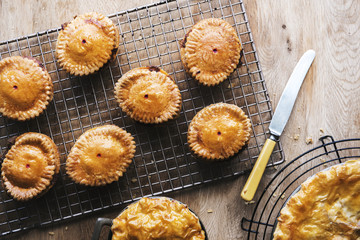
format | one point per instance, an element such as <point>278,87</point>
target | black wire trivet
<point>262,222</point>
<point>150,35</point>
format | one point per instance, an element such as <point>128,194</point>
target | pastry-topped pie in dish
<point>148,95</point>
<point>100,155</point>
<point>86,43</point>
<point>25,88</point>
<point>219,131</point>
<point>30,167</point>
<point>157,218</point>
<point>210,51</point>
<point>326,207</point>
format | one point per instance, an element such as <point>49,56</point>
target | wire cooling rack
<point>263,220</point>
<point>150,35</point>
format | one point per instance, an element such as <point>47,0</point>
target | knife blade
<point>278,122</point>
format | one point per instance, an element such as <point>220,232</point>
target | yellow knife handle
<point>252,182</point>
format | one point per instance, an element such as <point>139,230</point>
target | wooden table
<point>283,30</point>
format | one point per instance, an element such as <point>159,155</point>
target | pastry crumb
<point>274,195</point>
<point>298,127</point>
<point>229,86</point>
<point>51,233</point>
<point>322,160</point>
<point>321,130</point>
<point>309,140</point>
<point>251,202</point>
<point>133,180</point>
<point>283,196</point>
<point>275,167</point>
<point>66,228</point>
<point>296,137</point>
<point>210,211</point>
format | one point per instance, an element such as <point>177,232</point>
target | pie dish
<point>148,95</point>
<point>30,166</point>
<point>100,155</point>
<point>85,44</point>
<point>157,218</point>
<point>218,131</point>
<point>25,88</point>
<point>326,207</point>
<point>210,51</point>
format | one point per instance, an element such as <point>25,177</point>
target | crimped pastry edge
<point>61,48</point>
<point>147,118</point>
<point>198,149</point>
<point>185,58</point>
<point>52,169</point>
<point>72,162</point>
<point>42,103</point>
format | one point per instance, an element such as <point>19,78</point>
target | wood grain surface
<point>283,30</point>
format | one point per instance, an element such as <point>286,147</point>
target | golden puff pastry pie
<point>100,155</point>
<point>30,167</point>
<point>157,218</point>
<point>148,95</point>
<point>86,43</point>
<point>25,88</point>
<point>326,207</point>
<point>210,51</point>
<point>218,131</point>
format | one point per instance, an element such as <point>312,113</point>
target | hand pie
<point>218,131</point>
<point>326,207</point>
<point>210,51</point>
<point>85,44</point>
<point>148,95</point>
<point>25,88</point>
<point>157,218</point>
<point>100,155</point>
<point>30,166</point>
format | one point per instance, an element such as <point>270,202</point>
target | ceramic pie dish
<point>325,206</point>
<point>154,218</point>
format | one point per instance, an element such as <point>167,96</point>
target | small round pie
<point>148,95</point>
<point>210,51</point>
<point>100,155</point>
<point>326,207</point>
<point>157,218</point>
<point>25,88</point>
<point>88,42</point>
<point>30,166</point>
<point>218,131</point>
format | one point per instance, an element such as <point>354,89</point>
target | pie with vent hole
<point>25,88</point>
<point>30,167</point>
<point>218,131</point>
<point>100,156</point>
<point>210,51</point>
<point>148,95</point>
<point>86,43</point>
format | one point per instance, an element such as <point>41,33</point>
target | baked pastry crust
<point>210,51</point>
<point>30,166</point>
<point>85,44</point>
<point>219,131</point>
<point>157,218</point>
<point>148,95</point>
<point>100,155</point>
<point>326,207</point>
<point>25,88</point>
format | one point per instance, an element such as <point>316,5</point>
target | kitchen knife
<point>278,122</point>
